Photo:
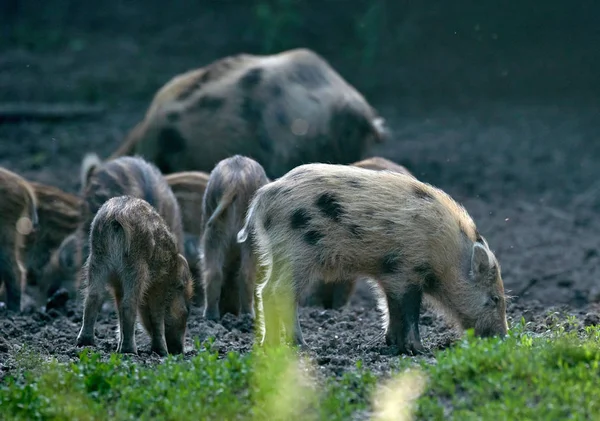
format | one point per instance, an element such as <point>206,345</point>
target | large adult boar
<point>19,218</point>
<point>337,222</point>
<point>282,110</point>
<point>229,268</point>
<point>337,295</point>
<point>127,176</point>
<point>59,216</point>
<point>135,256</point>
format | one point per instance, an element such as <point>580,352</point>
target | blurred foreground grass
<point>549,376</point>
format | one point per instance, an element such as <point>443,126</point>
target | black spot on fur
<point>425,271</point>
<point>300,218</point>
<point>209,102</point>
<point>391,263</point>
<point>421,193</point>
<point>173,116</point>
<point>252,112</point>
<point>251,78</point>
<point>329,206</point>
<point>356,231</point>
<point>312,237</point>
<point>170,142</point>
<point>282,118</point>
<point>275,91</point>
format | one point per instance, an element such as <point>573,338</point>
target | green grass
<point>552,376</point>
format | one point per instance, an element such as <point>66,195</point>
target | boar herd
<point>247,189</point>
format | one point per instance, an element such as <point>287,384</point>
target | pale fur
<point>213,133</point>
<point>395,215</point>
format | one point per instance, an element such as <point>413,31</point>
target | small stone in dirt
<point>591,319</point>
<point>58,300</point>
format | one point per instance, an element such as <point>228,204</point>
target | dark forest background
<point>448,51</point>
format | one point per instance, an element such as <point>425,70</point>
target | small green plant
<point>554,375</point>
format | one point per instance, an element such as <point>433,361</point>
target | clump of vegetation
<point>555,375</point>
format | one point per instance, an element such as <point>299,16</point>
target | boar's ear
<point>481,262</point>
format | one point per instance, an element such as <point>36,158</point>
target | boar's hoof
<point>160,351</point>
<point>84,340</point>
<point>128,349</point>
<point>407,346</point>
<point>212,314</point>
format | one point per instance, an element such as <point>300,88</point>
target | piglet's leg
<point>153,319</point>
<point>92,305</point>
<point>403,330</point>
<point>246,279</point>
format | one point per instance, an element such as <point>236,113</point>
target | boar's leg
<point>91,306</point>
<point>127,308</point>
<point>12,274</point>
<point>271,315</point>
<point>229,301</point>
<point>246,280</point>
<point>341,293</point>
<point>212,280</point>
<point>403,330</point>
<point>153,319</point>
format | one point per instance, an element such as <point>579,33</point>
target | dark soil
<point>526,168</point>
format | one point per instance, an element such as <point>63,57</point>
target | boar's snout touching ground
<point>134,255</point>
<point>131,176</point>
<point>62,270</point>
<point>59,216</point>
<point>228,267</point>
<point>337,295</point>
<point>19,219</point>
<point>411,240</point>
<point>282,110</point>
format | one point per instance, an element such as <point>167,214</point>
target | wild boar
<point>338,222</point>
<point>19,218</point>
<point>59,216</point>
<point>337,295</point>
<point>188,188</point>
<point>62,269</point>
<point>282,110</point>
<point>229,267</point>
<point>130,176</point>
<point>134,255</point>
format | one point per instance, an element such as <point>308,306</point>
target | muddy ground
<point>525,167</point>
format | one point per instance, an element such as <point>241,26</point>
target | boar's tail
<point>242,235</point>
<point>90,162</point>
<point>222,206</point>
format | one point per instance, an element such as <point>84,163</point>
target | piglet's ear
<point>481,263</point>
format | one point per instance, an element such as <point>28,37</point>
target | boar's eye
<point>494,300</point>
